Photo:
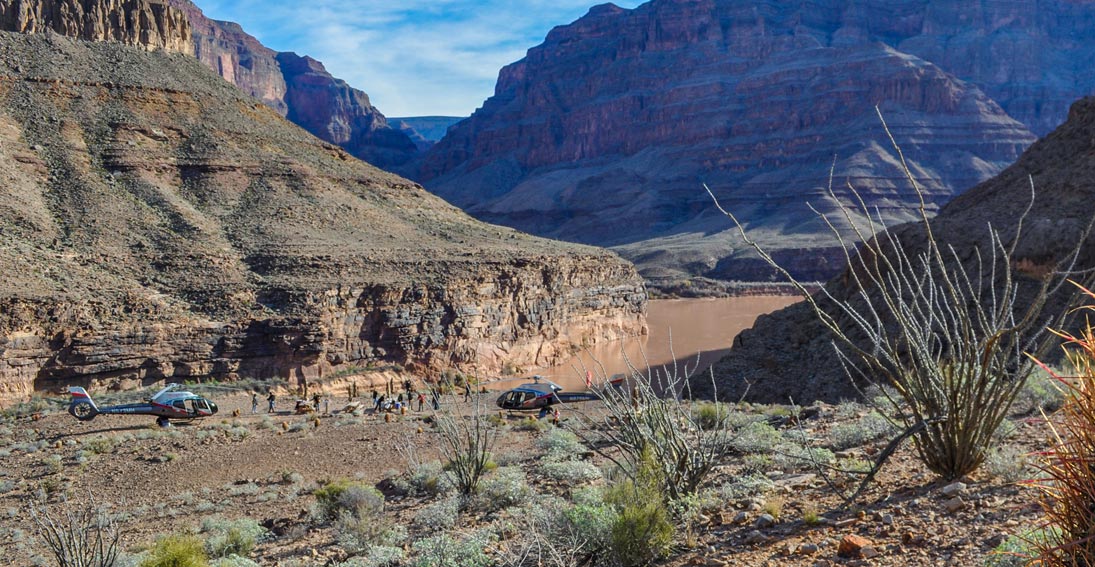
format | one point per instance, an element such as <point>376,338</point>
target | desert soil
<point>265,467</point>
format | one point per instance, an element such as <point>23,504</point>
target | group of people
<point>271,401</point>
<point>383,402</point>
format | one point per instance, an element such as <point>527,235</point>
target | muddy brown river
<point>690,332</point>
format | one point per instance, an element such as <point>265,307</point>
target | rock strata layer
<point>155,222</point>
<point>150,24</point>
<point>300,89</point>
<point>605,132</point>
<point>788,354</point>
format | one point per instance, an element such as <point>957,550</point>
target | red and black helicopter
<point>167,404</point>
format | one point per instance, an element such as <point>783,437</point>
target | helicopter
<point>167,404</point>
<point>541,393</point>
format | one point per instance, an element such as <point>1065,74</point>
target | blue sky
<point>413,57</point>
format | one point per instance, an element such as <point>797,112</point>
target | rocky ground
<point>763,507</point>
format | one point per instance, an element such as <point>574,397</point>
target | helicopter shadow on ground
<point>122,428</point>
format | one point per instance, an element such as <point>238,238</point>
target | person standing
<point>421,400</point>
<point>555,417</point>
<point>270,400</point>
<point>254,402</point>
<point>467,391</point>
<point>315,402</point>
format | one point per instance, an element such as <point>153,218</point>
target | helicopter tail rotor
<point>82,407</point>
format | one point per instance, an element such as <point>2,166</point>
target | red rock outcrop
<point>150,24</point>
<point>604,133</point>
<point>300,89</point>
<point>156,222</point>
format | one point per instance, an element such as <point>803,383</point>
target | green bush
<point>359,500</point>
<point>231,537</point>
<point>570,471</point>
<point>504,488</point>
<point>444,551</point>
<point>642,531</point>
<point>756,438</point>
<point>177,551</point>
<point>560,445</point>
<point>710,415</point>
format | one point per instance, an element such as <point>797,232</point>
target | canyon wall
<point>156,222</point>
<point>150,24</point>
<point>606,132</point>
<point>300,89</point>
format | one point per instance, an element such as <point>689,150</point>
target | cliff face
<point>156,222</point>
<point>300,89</point>
<point>788,353</point>
<point>149,24</point>
<point>329,108</point>
<point>604,133</point>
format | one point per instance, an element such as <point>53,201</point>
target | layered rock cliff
<point>604,133</point>
<point>788,354</point>
<point>300,89</point>
<point>156,222</point>
<point>150,24</point>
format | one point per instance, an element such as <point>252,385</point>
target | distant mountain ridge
<point>604,133</point>
<point>425,130</point>
<point>299,88</point>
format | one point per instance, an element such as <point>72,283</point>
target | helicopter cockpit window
<point>179,404</point>
<point>201,405</point>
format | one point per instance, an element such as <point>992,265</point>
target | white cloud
<point>413,57</point>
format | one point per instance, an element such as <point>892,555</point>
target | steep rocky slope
<point>157,222</point>
<point>604,133</point>
<point>300,89</point>
<point>787,354</point>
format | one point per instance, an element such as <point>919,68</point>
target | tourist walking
<point>254,402</point>
<point>467,391</point>
<point>270,400</point>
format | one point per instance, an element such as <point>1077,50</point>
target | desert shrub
<point>570,471</point>
<point>467,445</point>
<point>1018,550</point>
<point>790,457</point>
<point>53,464</point>
<point>360,535</point>
<point>710,415</point>
<point>642,531</point>
<point>100,445</point>
<point>1040,393</point>
<point>177,551</point>
<point>376,556</point>
<point>359,500</point>
<point>948,329</point>
<point>506,487</point>
<point>560,444</point>
<point>756,438</point>
<point>431,479</point>
<point>246,489</point>
<point>77,534</point>
<point>233,561</point>
<point>444,551</point>
<point>550,532</point>
<point>746,486</point>
<point>224,538</point>
<point>439,516</point>
<point>532,424</point>
<point>1008,463</point>
<point>868,428</point>
<point>1068,468</point>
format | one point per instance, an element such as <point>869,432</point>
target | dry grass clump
<point>1068,486</point>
